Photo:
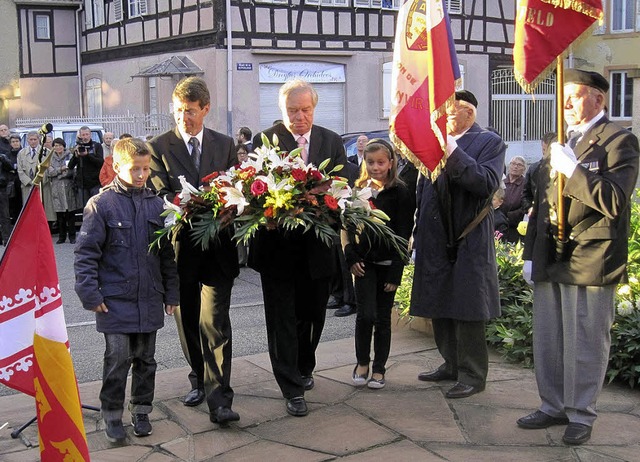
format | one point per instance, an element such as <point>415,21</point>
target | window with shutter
<point>88,14</point>
<point>454,6</point>
<point>117,10</point>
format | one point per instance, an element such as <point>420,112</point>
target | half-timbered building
<point>98,57</point>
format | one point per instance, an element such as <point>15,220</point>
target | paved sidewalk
<point>407,421</point>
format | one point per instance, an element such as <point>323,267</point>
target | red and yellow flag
<point>425,72</point>
<point>34,353</point>
<point>544,30</point>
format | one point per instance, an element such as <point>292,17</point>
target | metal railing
<point>138,125</point>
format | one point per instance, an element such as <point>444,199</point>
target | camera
<point>83,148</point>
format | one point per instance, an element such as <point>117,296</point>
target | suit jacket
<point>597,204</point>
<point>282,254</point>
<point>171,159</point>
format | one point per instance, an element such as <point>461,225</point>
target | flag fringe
<point>579,6</point>
<point>530,87</point>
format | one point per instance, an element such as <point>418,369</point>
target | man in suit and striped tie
<point>206,276</point>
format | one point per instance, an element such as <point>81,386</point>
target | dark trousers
<point>215,331</point>
<point>5,218</point>
<point>205,335</point>
<point>342,287</point>
<point>294,312</point>
<point>463,346</point>
<point>373,317</point>
<point>66,225</point>
<point>124,351</point>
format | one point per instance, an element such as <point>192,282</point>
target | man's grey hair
<point>296,86</point>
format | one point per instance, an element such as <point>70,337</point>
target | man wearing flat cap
<point>575,282</point>
<point>455,281</point>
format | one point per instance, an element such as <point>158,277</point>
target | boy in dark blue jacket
<point>126,285</point>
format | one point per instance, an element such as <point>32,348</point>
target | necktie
<point>573,137</point>
<point>195,151</point>
<point>304,154</point>
<point>33,152</point>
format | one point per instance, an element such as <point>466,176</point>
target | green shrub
<point>511,333</point>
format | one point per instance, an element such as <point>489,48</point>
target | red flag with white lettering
<point>544,31</point>
<point>34,353</point>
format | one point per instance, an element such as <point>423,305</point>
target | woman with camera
<point>64,197</point>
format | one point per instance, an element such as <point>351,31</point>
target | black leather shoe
<point>72,240</point>
<point>462,390</point>
<point>346,310</point>
<point>194,397</point>
<point>333,303</point>
<point>539,420</point>
<point>308,382</point>
<point>576,433</point>
<point>224,415</point>
<point>435,376</point>
<point>297,406</point>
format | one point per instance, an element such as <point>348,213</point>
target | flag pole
<point>561,140</point>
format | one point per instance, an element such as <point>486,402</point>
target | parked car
<point>68,132</point>
<point>349,139</point>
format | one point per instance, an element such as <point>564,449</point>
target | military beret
<point>466,95</point>
<point>589,78</point>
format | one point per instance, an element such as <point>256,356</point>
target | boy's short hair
<point>127,148</point>
<point>499,194</point>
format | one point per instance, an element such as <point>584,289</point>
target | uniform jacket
<point>171,159</point>
<point>113,263</point>
<point>597,198</point>
<point>466,289</point>
<point>282,254</point>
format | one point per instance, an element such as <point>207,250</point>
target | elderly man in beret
<point>455,280</point>
<point>575,281</point>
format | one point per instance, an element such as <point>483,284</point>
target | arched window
<point>94,97</point>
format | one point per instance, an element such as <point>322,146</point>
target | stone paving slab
<point>407,420</point>
<point>475,453</point>
<point>401,451</point>
<point>204,446</point>
<point>484,425</point>
<point>421,415</point>
<point>268,450</point>
<point>337,430</point>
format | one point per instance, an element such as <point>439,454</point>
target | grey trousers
<point>571,341</point>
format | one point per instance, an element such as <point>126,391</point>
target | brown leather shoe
<point>461,390</point>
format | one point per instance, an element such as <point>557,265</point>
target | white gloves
<point>452,144</point>
<point>526,272</point>
<point>563,159</point>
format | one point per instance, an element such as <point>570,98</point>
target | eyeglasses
<point>187,112</point>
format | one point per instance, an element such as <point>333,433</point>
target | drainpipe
<point>78,62</point>
<point>229,69</point>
